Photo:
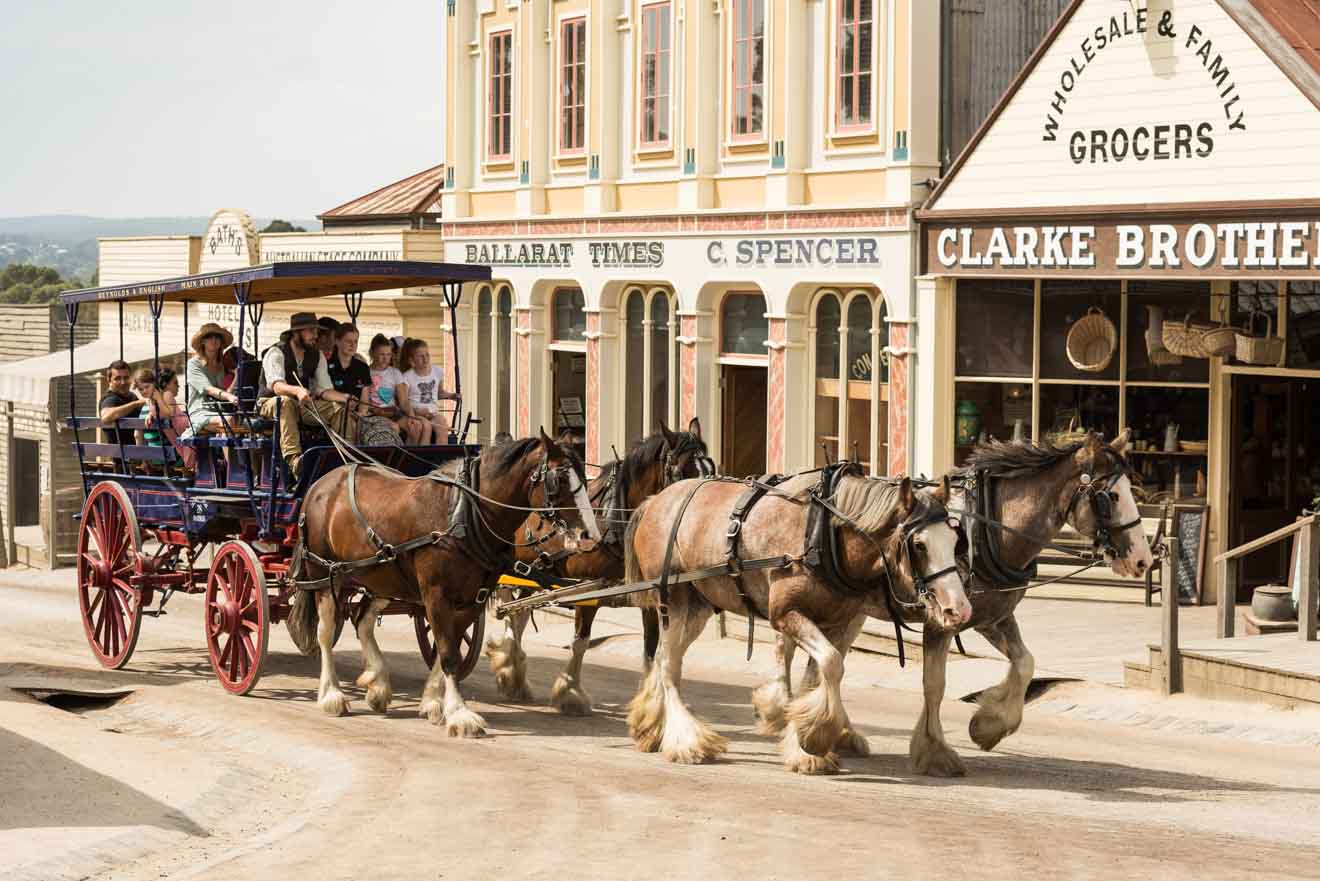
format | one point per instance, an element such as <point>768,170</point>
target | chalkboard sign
<point>1189,527</point>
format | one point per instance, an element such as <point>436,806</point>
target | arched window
<point>649,339</point>
<point>504,362</point>
<point>743,325</point>
<point>483,401</point>
<point>570,315</point>
<point>493,319</point>
<point>851,400</point>
<point>567,361</point>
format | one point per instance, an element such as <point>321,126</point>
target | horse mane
<point>504,456</point>
<point>1019,458</point>
<point>868,502</point>
<point>646,452</point>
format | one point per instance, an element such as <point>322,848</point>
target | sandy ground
<point>179,780</point>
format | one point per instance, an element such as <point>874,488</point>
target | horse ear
<point>905,497</point>
<point>566,437</point>
<point>943,492</point>
<point>670,437</point>
<point>694,427</point>
<point>1121,442</point>
<point>546,442</point>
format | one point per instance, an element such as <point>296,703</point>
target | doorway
<point>743,422</point>
<point>1274,468</point>
<point>26,482</point>
<point>569,369</point>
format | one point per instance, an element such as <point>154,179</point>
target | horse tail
<point>303,617</point>
<point>632,568</point>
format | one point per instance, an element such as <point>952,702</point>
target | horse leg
<point>650,636</point>
<point>508,661</point>
<point>850,742</point>
<point>328,696</point>
<point>815,721</point>
<point>930,753</point>
<point>459,720</point>
<point>568,696</point>
<point>1001,707</point>
<point>375,676</point>
<point>658,719</point>
<point>771,698</point>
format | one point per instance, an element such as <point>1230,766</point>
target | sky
<point>180,107</point>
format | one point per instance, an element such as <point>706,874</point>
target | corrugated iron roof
<point>419,194</point>
<point>1298,22</point>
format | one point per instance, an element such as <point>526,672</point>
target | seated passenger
<point>206,378</point>
<point>118,403</point>
<point>425,384</point>
<point>387,389</point>
<point>165,419</point>
<point>325,335</point>
<point>293,369</point>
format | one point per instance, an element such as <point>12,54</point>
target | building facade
<point>694,209</point>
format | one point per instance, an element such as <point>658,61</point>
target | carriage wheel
<point>109,544</point>
<point>237,614</point>
<point>471,648</point>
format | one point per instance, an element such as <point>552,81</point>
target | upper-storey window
<point>655,74</point>
<point>856,28</point>
<point>573,85</point>
<point>499,143</point>
<point>748,67</point>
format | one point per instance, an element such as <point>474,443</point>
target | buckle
<point>735,526</point>
<point>521,568</point>
<point>482,595</point>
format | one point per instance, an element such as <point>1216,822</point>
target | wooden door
<point>744,418</point>
<point>1262,474</point>
<point>25,474</point>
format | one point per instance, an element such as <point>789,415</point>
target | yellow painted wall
<point>845,187</point>
<point>499,203</point>
<point>642,198</point>
<point>563,200</point>
<point>740,192</point>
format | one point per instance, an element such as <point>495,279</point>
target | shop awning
<point>28,381</point>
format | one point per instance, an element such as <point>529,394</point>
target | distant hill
<point>67,242</point>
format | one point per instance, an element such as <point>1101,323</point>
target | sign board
<point>1189,527</point>
<point>230,242</point>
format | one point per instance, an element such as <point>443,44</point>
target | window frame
<point>756,136</point>
<point>649,295</point>
<point>491,156</point>
<point>878,393</point>
<point>723,356</point>
<point>647,9</point>
<point>840,127</point>
<point>564,66</point>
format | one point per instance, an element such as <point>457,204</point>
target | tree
<point>278,225</point>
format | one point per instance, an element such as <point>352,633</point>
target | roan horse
<point>1032,491</point>
<point>352,511</point>
<point>649,466</point>
<point>884,533</point>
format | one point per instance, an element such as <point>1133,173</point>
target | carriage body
<point>226,529</point>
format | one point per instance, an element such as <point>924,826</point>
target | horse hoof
<point>852,743</point>
<point>768,704</point>
<point>568,698</point>
<point>432,710</point>
<point>465,723</point>
<point>379,696</point>
<point>939,761</point>
<point>334,704</point>
<point>987,729</point>
<point>806,763</point>
<point>367,677</point>
<point>513,687</point>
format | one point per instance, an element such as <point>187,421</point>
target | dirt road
<point>179,780</point>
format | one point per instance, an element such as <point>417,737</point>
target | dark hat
<point>327,323</point>
<point>303,320</point>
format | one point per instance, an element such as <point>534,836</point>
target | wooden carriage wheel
<point>109,548</point>
<point>237,614</point>
<point>472,642</point>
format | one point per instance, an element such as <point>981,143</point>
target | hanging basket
<point>1155,351</point>
<point>1266,350</point>
<point>1092,341</point>
<point>1221,341</point>
<point>1186,339</point>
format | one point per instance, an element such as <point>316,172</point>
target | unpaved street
<point>179,780</point>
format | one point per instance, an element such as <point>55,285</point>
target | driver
<point>294,369</point>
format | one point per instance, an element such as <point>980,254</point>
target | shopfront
<point>1132,241</point>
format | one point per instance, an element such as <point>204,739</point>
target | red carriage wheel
<point>109,545</point>
<point>472,642</point>
<point>237,613</point>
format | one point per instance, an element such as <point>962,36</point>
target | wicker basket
<point>1155,351</point>
<point>1220,341</point>
<point>1266,350</point>
<point>1092,341</point>
<point>1186,339</point>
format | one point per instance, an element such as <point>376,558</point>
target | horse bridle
<point>673,471</point>
<point>549,480</point>
<point>1100,495</point>
<point>921,581</point>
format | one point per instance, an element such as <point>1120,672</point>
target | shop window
<point>851,417</point>
<point>1062,304</point>
<point>1251,296</point>
<point>853,98</point>
<point>659,379</point>
<point>494,325</point>
<point>748,68</point>
<point>570,316</point>
<point>484,363</point>
<point>1304,324</point>
<point>499,139</point>
<point>744,328</point>
<point>827,379</point>
<point>1150,304</point>
<point>649,348</point>
<point>1167,470</point>
<point>573,85</point>
<point>634,416</point>
<point>995,326</point>
<point>655,75</point>
<point>504,361</point>
<point>984,410</point>
<point>1067,409</point>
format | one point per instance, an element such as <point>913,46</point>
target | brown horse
<point>650,465</point>
<point>886,533</point>
<point>1034,491</point>
<point>449,576</point>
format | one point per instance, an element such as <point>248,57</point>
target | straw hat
<point>210,328</point>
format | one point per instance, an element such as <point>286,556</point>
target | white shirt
<point>272,368</point>
<point>424,390</point>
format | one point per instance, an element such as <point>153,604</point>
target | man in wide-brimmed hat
<point>295,370</point>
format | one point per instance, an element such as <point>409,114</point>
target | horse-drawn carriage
<point>148,523</point>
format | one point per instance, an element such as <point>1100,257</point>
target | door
<point>744,418</point>
<point>1275,469</point>
<point>26,478</point>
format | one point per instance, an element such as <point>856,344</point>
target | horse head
<point>923,544</point>
<point>561,482</point>
<point>1104,509</point>
<point>684,453</point>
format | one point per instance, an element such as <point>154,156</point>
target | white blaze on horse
<point>876,535</point>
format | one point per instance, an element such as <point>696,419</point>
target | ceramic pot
<point>968,424</point>
<point>1273,602</point>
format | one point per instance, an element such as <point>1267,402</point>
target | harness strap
<point>662,586</point>
<point>755,491</point>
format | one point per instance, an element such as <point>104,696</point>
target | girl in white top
<point>387,390</point>
<point>425,386</point>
